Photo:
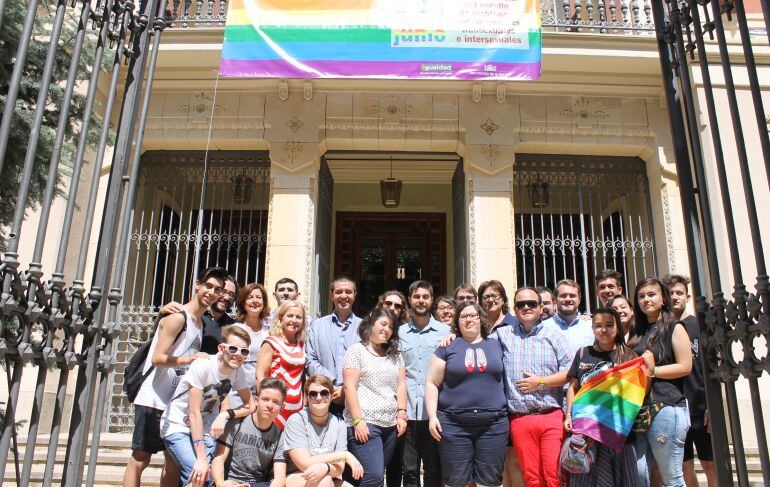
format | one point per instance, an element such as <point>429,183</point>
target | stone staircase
<point>114,450</point>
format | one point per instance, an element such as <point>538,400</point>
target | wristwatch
<point>230,413</point>
<point>541,385</point>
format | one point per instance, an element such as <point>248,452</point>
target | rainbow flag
<point>415,39</point>
<point>605,407</point>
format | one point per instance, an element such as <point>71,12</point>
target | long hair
<point>403,316</point>
<point>277,328</point>
<point>630,304</point>
<point>622,352</point>
<point>365,329</point>
<point>485,325</point>
<point>642,325</point>
<point>243,295</point>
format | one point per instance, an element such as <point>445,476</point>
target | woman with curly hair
<point>375,395</point>
<point>395,301</point>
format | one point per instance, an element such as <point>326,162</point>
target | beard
<point>219,306</point>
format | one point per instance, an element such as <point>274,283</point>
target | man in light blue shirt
<point>419,339</point>
<point>330,336</point>
<point>576,328</point>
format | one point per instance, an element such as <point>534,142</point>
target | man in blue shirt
<point>419,339</point>
<point>330,336</point>
<point>576,328</point>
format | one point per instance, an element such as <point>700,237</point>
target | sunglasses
<point>324,394</point>
<point>391,304</point>
<point>527,304</point>
<point>232,350</point>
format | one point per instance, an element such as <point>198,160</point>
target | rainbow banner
<point>606,405</point>
<point>412,39</point>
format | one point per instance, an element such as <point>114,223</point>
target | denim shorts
<point>180,447</point>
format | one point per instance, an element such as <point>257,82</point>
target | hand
<point>218,426</point>
<point>568,423</point>
<point>434,427</point>
<point>355,466</point>
<point>315,473</point>
<point>649,359</point>
<point>233,483</point>
<point>447,340</point>
<point>338,396</point>
<point>200,472</point>
<point>198,355</point>
<point>529,383</point>
<point>400,426</point>
<point>362,432</point>
<point>707,421</point>
<point>276,483</point>
<point>171,308</point>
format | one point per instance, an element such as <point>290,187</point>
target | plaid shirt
<point>543,352</point>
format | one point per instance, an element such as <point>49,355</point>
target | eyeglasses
<point>468,317</point>
<point>526,304</point>
<point>229,295</point>
<point>232,350</point>
<point>324,394</point>
<point>391,304</point>
<point>465,297</point>
<point>490,297</point>
<point>444,308</point>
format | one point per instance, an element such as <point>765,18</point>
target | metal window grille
<point>165,239</point>
<point>575,216</point>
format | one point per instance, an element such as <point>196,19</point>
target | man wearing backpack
<point>176,343</point>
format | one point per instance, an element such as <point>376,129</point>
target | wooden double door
<point>384,251</point>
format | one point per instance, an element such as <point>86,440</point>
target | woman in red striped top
<point>283,356</point>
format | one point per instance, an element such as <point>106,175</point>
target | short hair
<point>444,299</point>
<point>527,288</point>
<point>277,327</point>
<point>236,331</point>
<point>285,280</point>
<point>485,324</point>
<point>217,273</point>
<point>342,278</point>
<point>671,280</point>
<point>243,295</point>
<point>319,379</point>
<point>544,289</point>
<point>420,284</point>
<point>365,329</point>
<point>566,282</point>
<point>272,383</point>
<point>608,274</point>
<point>497,286</point>
<point>466,287</point>
<point>234,281</point>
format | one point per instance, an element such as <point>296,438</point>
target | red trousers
<point>537,440</point>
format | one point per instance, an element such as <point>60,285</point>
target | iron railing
<point>599,16</point>
<point>713,134</point>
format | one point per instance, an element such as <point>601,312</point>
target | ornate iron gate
<point>578,215</point>
<point>734,324</point>
<point>226,193</point>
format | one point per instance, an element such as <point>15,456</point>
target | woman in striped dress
<point>283,356</point>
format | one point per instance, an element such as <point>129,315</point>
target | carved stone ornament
<point>201,103</point>
<point>295,124</point>
<point>500,93</point>
<point>583,108</point>
<point>307,91</point>
<point>491,152</point>
<point>476,94</point>
<point>489,127</point>
<point>283,90</point>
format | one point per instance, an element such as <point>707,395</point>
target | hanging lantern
<point>390,190</point>
<point>539,194</point>
<point>243,189</point>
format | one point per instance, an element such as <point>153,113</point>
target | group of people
<point>474,388</point>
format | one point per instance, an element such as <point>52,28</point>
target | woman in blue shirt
<point>465,402</point>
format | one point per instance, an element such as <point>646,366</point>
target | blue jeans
<point>472,452</point>
<point>180,447</point>
<point>663,442</point>
<point>373,455</point>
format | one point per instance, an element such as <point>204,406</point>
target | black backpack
<point>132,375</point>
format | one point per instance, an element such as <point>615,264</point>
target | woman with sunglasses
<point>253,309</point>
<point>375,395</point>
<point>283,355</point>
<point>395,301</point>
<point>315,441</point>
<point>466,404</point>
<point>665,345</point>
<point>610,468</point>
<point>625,309</point>
<point>445,309</point>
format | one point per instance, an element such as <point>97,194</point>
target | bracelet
<point>358,420</point>
<point>400,409</point>
<point>654,372</point>
<point>328,468</point>
<point>199,440</point>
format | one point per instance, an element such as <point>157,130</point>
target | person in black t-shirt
<point>699,434</point>
<point>610,468</point>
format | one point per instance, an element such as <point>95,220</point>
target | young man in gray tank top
<point>177,342</point>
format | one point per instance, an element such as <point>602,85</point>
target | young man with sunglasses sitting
<point>192,420</point>
<point>315,442</point>
<point>251,449</point>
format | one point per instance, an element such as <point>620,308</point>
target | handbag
<point>578,454</point>
<point>645,417</point>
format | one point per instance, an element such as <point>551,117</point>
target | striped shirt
<point>542,352</point>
